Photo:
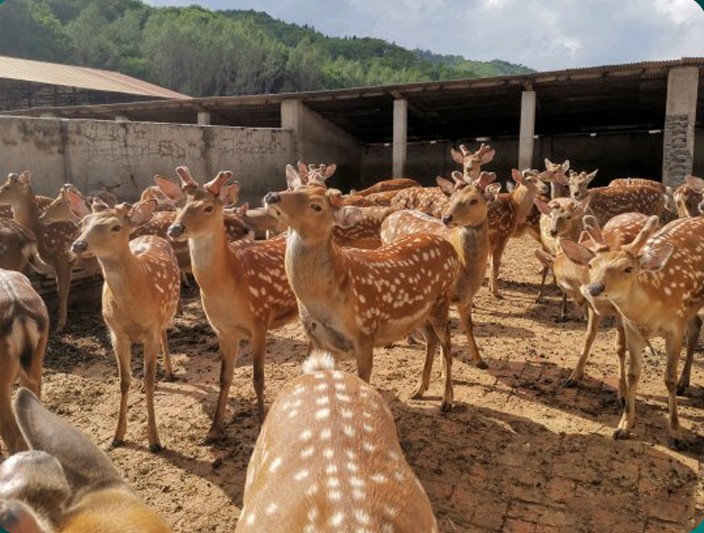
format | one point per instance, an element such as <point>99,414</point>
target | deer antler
<point>187,180</point>
<point>635,246</point>
<point>216,183</point>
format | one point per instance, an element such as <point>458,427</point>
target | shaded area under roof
<point>629,97</point>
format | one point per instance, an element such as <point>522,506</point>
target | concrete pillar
<point>203,118</point>
<point>400,137</point>
<point>527,130</point>
<point>680,117</point>
<point>121,118</point>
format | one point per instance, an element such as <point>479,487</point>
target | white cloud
<point>542,34</point>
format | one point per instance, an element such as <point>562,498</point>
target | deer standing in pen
<point>140,294</point>
<point>24,323</point>
<point>53,240</point>
<point>656,283</point>
<point>65,484</point>
<point>557,178</point>
<point>464,225</point>
<point>352,300</point>
<point>330,440</point>
<point>243,286</point>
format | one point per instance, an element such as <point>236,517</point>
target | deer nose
<point>553,233</point>
<point>272,198</point>
<point>79,247</point>
<point>447,219</point>
<point>595,289</point>
<point>175,231</point>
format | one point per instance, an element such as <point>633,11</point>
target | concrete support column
<point>121,118</point>
<point>203,118</point>
<point>400,138</point>
<point>680,117</point>
<point>527,130</point>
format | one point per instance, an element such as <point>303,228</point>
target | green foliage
<point>201,52</point>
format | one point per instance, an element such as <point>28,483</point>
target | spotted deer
<point>506,213</point>
<point>557,178</point>
<point>657,284</point>
<point>106,194</point>
<point>607,202</point>
<point>472,162</point>
<point>65,484</point>
<point>18,248</point>
<point>330,439</point>
<point>24,331</point>
<point>464,225</point>
<point>688,196</point>
<point>53,240</point>
<point>140,293</point>
<point>387,186</point>
<point>243,286</point>
<point>257,220</point>
<point>42,202</point>
<point>352,300</point>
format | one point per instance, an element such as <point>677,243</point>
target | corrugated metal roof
<point>81,77</point>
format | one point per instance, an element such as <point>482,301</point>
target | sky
<point>541,34</point>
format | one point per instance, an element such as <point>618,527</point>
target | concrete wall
<point>618,155</point>
<point>320,141</point>
<point>89,153</point>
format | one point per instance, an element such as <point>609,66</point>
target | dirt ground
<point>518,453</point>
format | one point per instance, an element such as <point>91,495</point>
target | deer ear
<point>457,156</point>
<point>548,163</point>
<point>76,204</point>
<point>445,186</point>
<point>576,253</point>
<point>591,176</point>
<point>25,177</point>
<point>85,466</point>
<point>656,256</point>
<point>542,206</point>
<point>694,183</point>
<point>348,216</point>
<point>491,191</point>
<point>566,165</point>
<point>243,208</point>
<point>141,213</point>
<point>545,258</point>
<point>516,175</point>
<point>169,188</point>
<point>582,206</point>
<point>293,178</point>
<point>229,193</point>
<point>329,171</point>
<point>488,157</point>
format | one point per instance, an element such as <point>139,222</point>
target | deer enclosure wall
<point>91,153</point>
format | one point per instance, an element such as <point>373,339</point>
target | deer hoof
<point>116,443</point>
<point>417,394</point>
<point>169,378</point>
<point>446,407</point>
<point>682,389</point>
<point>213,436</point>
<point>481,364</point>
<point>621,434</point>
<point>571,382</point>
<point>156,447</point>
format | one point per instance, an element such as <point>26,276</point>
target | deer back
<point>388,185</point>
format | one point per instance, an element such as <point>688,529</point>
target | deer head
<point>579,182</point>
<point>467,204</point>
<point>16,188</point>
<point>563,214</point>
<point>472,161</point>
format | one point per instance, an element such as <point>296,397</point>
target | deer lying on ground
<point>464,225</point>
<point>351,300</point>
<point>243,286</point>
<point>607,202</point>
<point>53,240</point>
<point>657,284</point>
<point>688,196</point>
<point>561,217</point>
<point>24,323</point>
<point>387,186</point>
<point>140,294</point>
<point>66,484</point>
<point>330,439</point>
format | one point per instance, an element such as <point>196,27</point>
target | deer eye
<point>473,202</point>
<point>208,209</point>
<point>316,207</point>
<point>116,228</point>
<point>628,270</point>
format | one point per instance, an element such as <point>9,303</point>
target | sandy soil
<point>518,452</point>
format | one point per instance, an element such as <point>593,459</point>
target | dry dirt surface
<point>518,453</point>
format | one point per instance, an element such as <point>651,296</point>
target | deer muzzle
<point>447,220</point>
<point>79,247</point>
<point>595,289</point>
<point>175,231</point>
<point>272,198</point>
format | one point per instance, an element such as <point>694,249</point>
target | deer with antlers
<point>140,294</point>
<point>243,286</point>
<point>657,284</point>
<point>472,162</point>
<point>688,196</point>
<point>464,225</point>
<point>557,177</point>
<point>65,484</point>
<point>330,439</point>
<point>352,300</point>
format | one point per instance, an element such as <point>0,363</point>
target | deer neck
<point>26,213</point>
<point>125,277</point>
<point>210,255</point>
<point>522,198</point>
<point>311,266</point>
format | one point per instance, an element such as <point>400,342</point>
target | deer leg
<point>31,378</point>
<point>592,326</point>
<point>63,284</point>
<point>9,431</point>
<point>464,309</point>
<point>431,346</point>
<point>693,331</point>
<point>495,261</point>
<point>151,350</point>
<point>229,348</point>
<point>365,359</point>
<point>673,345</point>
<point>544,275</point>
<point>620,345</point>
<point>123,353</point>
<point>635,343</point>
<point>168,369</point>
<point>563,308</point>
<point>441,328</point>
<point>258,344</point>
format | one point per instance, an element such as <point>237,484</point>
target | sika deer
<point>464,225</point>
<point>688,196</point>
<point>24,323</point>
<point>657,284</point>
<point>472,162</point>
<point>53,240</point>
<point>557,178</point>
<point>506,213</point>
<point>18,247</point>
<point>387,186</point>
<point>330,440</point>
<point>351,300</point>
<point>607,202</point>
<point>66,484</point>
<point>257,220</point>
<point>140,293</point>
<point>243,285</point>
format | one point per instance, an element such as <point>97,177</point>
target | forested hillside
<point>201,52</point>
